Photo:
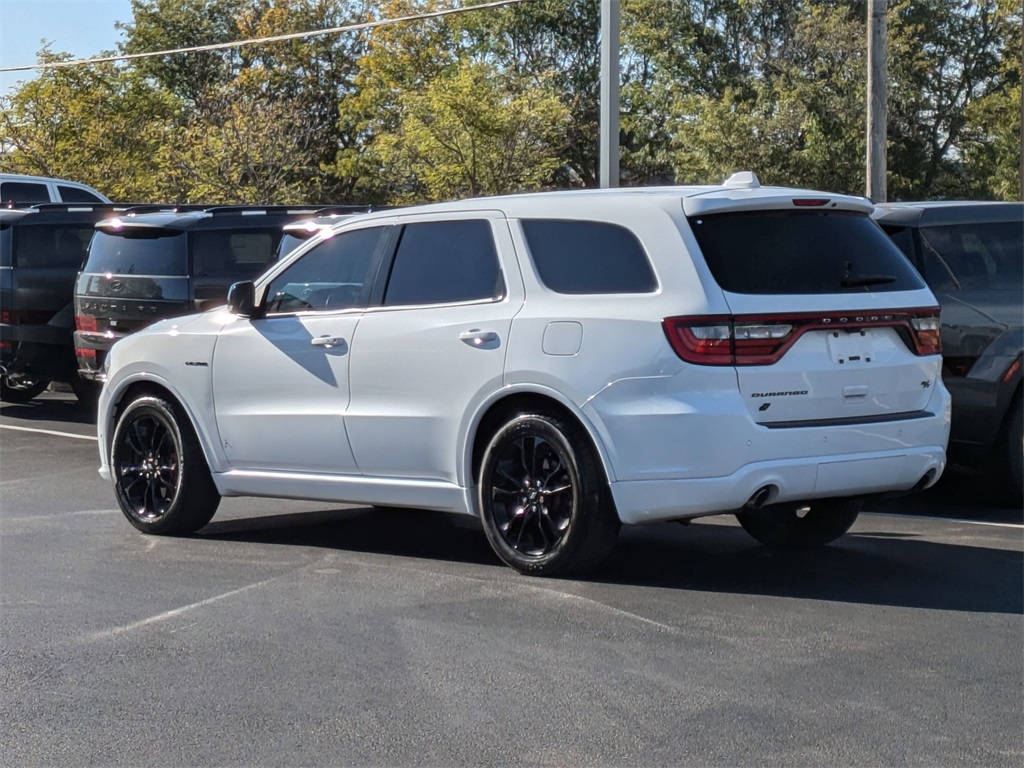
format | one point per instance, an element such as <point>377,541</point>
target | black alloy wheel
<point>544,500</point>
<point>161,479</point>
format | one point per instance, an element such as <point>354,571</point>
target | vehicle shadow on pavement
<point>66,409</point>
<point>866,566</point>
<point>880,568</point>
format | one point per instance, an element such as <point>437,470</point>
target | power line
<point>261,40</point>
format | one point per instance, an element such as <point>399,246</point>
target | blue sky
<point>80,27</point>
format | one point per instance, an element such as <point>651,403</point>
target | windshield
<point>138,251</point>
<point>801,252</point>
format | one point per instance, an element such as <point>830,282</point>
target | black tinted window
<point>973,256</point>
<point>77,195</point>
<point>60,247</point>
<point>588,257</point>
<point>238,255</point>
<point>24,192</point>
<point>5,245</point>
<point>139,251</point>
<point>334,275</point>
<point>904,239</point>
<point>443,262</point>
<point>783,252</point>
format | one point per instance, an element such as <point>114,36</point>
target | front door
<point>281,381</point>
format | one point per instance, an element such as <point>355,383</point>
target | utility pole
<point>878,97</point>
<point>609,148</point>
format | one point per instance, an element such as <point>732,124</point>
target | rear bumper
<point>647,501</point>
<point>91,350</point>
<point>39,351</point>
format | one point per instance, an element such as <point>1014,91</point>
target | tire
<point>544,500</point>
<point>801,525</point>
<point>161,479</point>
<point>1013,451</point>
<point>21,389</point>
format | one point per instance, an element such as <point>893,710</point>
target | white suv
<point>556,364</point>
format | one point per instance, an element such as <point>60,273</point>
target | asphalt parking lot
<point>291,633</point>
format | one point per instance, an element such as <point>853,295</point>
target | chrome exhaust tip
<point>761,497</point>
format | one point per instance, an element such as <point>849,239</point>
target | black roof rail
<point>224,210</point>
<point>161,208</point>
<point>81,206</point>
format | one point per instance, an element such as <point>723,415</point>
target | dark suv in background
<point>151,263</point>
<point>42,248</point>
<point>972,256</point>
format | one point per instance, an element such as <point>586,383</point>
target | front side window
<point>588,257</point>
<point>336,274</point>
<point>54,247</point>
<point>444,262</point>
<point>149,251</point>
<point>973,257</point>
<point>801,252</point>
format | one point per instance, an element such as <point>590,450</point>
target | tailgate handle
<point>855,393</point>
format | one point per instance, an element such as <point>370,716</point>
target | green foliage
<point>507,99</point>
<point>471,132</point>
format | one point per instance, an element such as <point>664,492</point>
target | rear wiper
<point>860,281</point>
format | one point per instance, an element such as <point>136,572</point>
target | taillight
<point>85,353</point>
<point>926,330</point>
<point>764,339</point>
<point>85,323</point>
<point>5,316</point>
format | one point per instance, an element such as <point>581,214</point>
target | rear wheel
<point>544,500</point>
<point>21,389</point>
<point>161,479</point>
<point>801,525</point>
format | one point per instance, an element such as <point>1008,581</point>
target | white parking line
<point>49,432</point>
<point>949,520</point>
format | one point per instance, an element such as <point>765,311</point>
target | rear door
<point>830,322</point>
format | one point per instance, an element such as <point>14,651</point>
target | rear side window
<point>801,252</point>
<point>52,246</point>
<point>77,195</point>
<point>587,257</point>
<point>139,251</point>
<point>444,262</point>
<point>24,192</point>
<point>233,254</point>
<point>967,257</point>
<point>5,245</point>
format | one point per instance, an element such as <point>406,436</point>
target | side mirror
<point>242,298</point>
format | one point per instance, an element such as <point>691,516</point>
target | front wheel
<point>21,389</point>
<point>544,500</point>
<point>801,525</point>
<point>161,479</point>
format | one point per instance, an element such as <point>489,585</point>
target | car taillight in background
<point>86,323</point>
<point>764,339</point>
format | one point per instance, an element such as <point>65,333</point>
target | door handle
<point>328,341</point>
<point>477,338</point>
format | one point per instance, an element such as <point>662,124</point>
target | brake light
<point>85,323</point>
<point>810,202</point>
<point>85,352</point>
<point>764,339</point>
<point>926,332</point>
<point>5,316</point>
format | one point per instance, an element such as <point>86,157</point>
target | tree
<point>473,132</point>
<point>101,125</point>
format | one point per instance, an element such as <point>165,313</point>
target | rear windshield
<point>61,246</point>
<point>801,252</point>
<point>973,257</point>
<point>139,251</point>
